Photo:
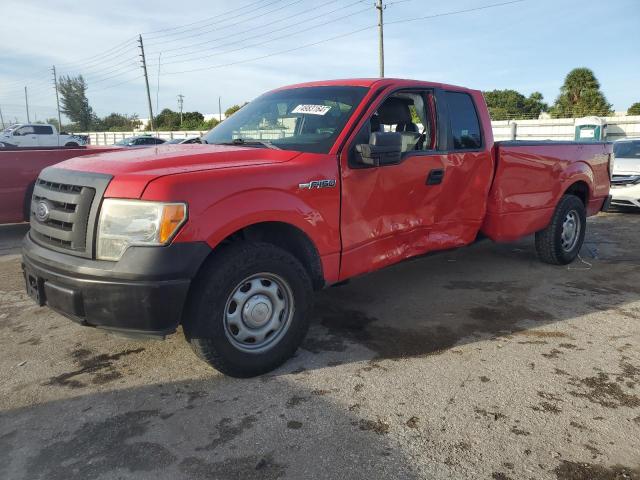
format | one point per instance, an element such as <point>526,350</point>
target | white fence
<point>563,128</point>
<point>543,129</point>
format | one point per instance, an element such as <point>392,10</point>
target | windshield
<point>627,149</point>
<point>125,141</point>
<point>306,119</point>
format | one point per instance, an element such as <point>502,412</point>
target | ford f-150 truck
<point>40,135</point>
<point>305,187</point>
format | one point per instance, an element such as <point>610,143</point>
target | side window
<point>24,131</point>
<point>43,130</point>
<point>465,127</point>
<point>406,113</point>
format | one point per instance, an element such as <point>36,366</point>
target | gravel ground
<point>472,364</point>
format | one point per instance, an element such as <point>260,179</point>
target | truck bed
<point>531,176</point>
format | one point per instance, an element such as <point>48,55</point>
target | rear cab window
<point>463,121</point>
<point>43,130</point>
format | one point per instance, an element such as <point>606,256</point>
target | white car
<point>40,135</point>
<point>625,184</point>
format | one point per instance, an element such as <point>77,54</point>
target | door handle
<point>435,176</point>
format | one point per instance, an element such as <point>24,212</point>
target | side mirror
<point>384,148</point>
<point>16,133</point>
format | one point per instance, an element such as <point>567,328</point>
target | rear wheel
<point>248,311</point>
<point>560,242</point>
<point>71,144</point>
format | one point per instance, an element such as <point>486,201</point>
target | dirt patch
<point>227,431</point>
<point>294,425</point>
<point>604,392</point>
<point>487,414</point>
<point>97,449</point>
<point>344,326</point>
<point>99,368</point>
<point>377,426</point>
<point>487,287</point>
<point>586,471</point>
<point>413,422</point>
<point>247,468</point>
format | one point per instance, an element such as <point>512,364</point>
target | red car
<point>305,187</point>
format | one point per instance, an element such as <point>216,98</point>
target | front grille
<point>622,180</point>
<point>68,207</point>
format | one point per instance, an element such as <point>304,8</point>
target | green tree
<point>580,95</point>
<point>74,101</point>
<point>117,122</point>
<point>233,109</point>
<point>634,109</point>
<point>508,104</point>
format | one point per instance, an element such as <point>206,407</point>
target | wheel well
<point>71,144</point>
<point>581,190</point>
<point>289,238</point>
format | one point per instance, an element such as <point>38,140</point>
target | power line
<point>184,47</point>
<point>198,21</point>
<point>190,32</point>
<point>335,37</point>
<point>445,14</point>
<point>261,35</point>
<point>305,29</point>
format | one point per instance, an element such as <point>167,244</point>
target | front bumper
<point>141,294</point>
<point>626,196</point>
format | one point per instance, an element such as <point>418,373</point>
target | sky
<point>237,50</point>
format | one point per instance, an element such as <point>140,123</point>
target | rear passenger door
<point>468,170</point>
<point>45,135</point>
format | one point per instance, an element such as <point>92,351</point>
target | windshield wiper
<point>250,143</point>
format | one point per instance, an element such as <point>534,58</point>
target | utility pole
<point>380,7</point>
<point>146,79</point>
<point>219,109</point>
<point>180,103</point>
<point>1,118</point>
<point>26,103</point>
<point>55,85</point>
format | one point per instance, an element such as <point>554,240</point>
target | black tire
<point>71,144</point>
<point>549,242</point>
<point>205,325</point>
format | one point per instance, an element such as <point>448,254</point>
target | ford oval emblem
<point>42,211</point>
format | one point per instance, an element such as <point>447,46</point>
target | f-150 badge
<point>317,184</point>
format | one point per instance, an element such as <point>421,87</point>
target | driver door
<point>388,211</point>
<point>25,137</point>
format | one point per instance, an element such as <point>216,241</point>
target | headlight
<point>124,223</point>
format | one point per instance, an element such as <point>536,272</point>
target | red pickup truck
<point>305,187</point>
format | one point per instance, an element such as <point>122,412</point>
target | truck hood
<point>134,168</point>
<point>626,166</point>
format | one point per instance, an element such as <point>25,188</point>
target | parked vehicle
<point>141,141</point>
<point>19,168</point>
<point>305,187</point>
<point>185,140</point>
<point>625,184</point>
<point>40,135</point>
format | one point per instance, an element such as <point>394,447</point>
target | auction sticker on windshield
<point>312,109</point>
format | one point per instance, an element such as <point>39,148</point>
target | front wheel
<point>561,241</point>
<point>248,311</point>
<point>71,144</point>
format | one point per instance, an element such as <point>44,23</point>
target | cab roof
<point>371,82</point>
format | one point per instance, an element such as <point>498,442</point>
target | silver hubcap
<point>258,312</point>
<point>570,230</point>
